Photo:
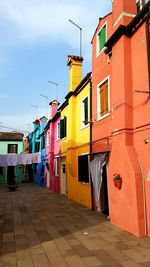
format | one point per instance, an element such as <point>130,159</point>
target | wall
<point>18,170</point>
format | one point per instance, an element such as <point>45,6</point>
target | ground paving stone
<point>43,229</point>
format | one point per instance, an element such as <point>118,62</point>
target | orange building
<point>121,113</point>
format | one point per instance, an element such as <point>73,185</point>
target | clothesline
<point>19,159</point>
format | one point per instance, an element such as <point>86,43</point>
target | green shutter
<point>61,128</point>
<point>85,110</point>
<point>65,125</point>
<point>102,38</point>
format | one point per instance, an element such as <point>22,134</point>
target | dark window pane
<point>37,146</point>
<point>83,172</point>
<point>12,148</point>
<point>1,170</point>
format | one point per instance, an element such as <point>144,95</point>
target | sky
<point>36,38</point>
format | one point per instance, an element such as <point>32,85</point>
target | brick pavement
<point>43,229</point>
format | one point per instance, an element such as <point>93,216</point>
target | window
<point>12,148</point>
<point>58,130</point>
<point>48,138</point>
<point>63,124</point>
<point>57,167</point>
<point>103,99</point>
<point>140,4</point>
<point>84,115</point>
<point>37,146</point>
<point>101,39</point>
<point>43,142</point>
<point>83,170</point>
<point>1,171</point>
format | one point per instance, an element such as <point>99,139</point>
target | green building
<point>11,142</point>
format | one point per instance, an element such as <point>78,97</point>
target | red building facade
<point>121,111</point>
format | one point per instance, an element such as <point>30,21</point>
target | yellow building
<point>75,135</point>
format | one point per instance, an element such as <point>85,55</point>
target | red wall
<point>124,131</point>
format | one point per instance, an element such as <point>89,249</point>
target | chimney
<point>75,71</point>
<point>123,11</point>
<point>53,108</point>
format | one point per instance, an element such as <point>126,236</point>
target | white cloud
<point>21,122</point>
<point>33,20</point>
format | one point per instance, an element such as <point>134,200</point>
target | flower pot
<point>118,184</point>
<point>12,187</point>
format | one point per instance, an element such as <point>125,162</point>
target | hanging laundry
<point>12,159</point>
<point>20,159</point>
<point>29,159</point>
<point>3,160</point>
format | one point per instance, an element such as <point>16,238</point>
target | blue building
<point>41,167</point>
<point>35,144</point>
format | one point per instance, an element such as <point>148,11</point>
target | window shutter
<point>61,128</point>
<point>85,110</point>
<point>65,126</point>
<point>104,98</point>
<point>102,38</point>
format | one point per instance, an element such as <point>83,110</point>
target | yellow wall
<point>76,143</point>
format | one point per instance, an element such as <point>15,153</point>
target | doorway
<point>63,179</point>
<point>10,174</point>
<point>104,204</point>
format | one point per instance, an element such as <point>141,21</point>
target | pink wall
<point>52,150</point>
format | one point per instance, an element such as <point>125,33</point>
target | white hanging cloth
<point>3,160</point>
<point>95,167</point>
<point>12,160</point>
<point>19,159</point>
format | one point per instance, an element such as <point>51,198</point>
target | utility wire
<point>14,129</point>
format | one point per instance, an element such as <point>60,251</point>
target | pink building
<point>53,148</point>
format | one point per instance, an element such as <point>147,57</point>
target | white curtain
<point>95,167</point>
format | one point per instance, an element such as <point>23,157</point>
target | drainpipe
<point>92,198</point>
<point>144,196</point>
<point>148,45</point>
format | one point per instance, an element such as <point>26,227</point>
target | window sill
<point>84,127</point>
<point>83,183</point>
<point>100,52</point>
<point>103,117</point>
<point>63,139</point>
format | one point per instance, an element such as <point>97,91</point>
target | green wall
<point>18,170</point>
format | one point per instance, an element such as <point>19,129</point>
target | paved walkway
<point>42,229</point>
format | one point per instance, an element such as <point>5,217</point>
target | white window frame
<point>57,166</point>
<point>58,130</point>
<point>99,117</point>
<point>83,125</point>
<point>98,52</point>
<point>141,3</point>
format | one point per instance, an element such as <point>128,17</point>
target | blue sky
<point>36,38</point>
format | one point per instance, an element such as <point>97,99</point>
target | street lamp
<point>46,97</point>
<point>56,84</point>
<point>36,107</point>
<point>80,35</point>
